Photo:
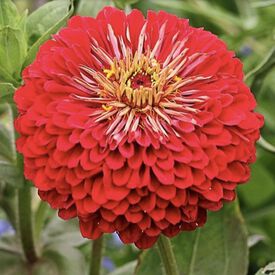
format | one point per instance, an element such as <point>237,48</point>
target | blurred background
<point>248,28</point>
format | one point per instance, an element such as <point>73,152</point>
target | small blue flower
<point>245,51</point>
<point>5,228</point>
<point>108,264</point>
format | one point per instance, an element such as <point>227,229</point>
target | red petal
<point>126,149</point>
<point>173,215</point>
<point>121,208</point>
<point>148,203</point>
<point>86,139</point>
<point>90,205</point>
<point>67,214</point>
<point>121,176</point>
<point>157,214</point>
<point>133,217</point>
<point>166,192</point>
<point>89,230</point>
<point>148,156</point>
<point>115,160</point>
<point>78,192</point>
<point>180,199</point>
<point>165,177</point>
<point>63,143</point>
<point>136,160</point>
<point>145,241</point>
<point>215,193</point>
<point>98,193</point>
<point>130,234</point>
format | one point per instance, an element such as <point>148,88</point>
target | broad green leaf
<point>263,4</point>
<point>7,135</point>
<point>268,270</point>
<point>91,8</point>
<point>266,108</point>
<point>42,19</point>
<point>60,259</point>
<point>13,49</point>
<point>53,27</point>
<point>6,92</point>
<point>260,189</point>
<point>8,14</point>
<point>256,76</point>
<point>122,4</point>
<point>11,258</point>
<point>220,247</point>
<point>60,231</point>
<point>55,260</point>
<point>126,269</point>
<point>12,264</point>
<point>248,13</point>
<point>261,213</point>
<point>10,244</point>
<point>222,19</point>
<point>9,172</point>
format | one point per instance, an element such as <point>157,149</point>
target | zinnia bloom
<point>136,125</point>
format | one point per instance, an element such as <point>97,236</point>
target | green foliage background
<point>238,240</point>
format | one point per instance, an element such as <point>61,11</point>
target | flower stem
<point>96,255</point>
<point>25,223</point>
<point>167,256</point>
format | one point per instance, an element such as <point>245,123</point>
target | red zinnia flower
<point>136,126</point>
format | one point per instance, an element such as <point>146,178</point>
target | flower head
<point>136,125</point>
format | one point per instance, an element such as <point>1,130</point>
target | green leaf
<point>11,258</point>
<point>91,8</point>
<point>248,13</point>
<point>60,231</point>
<point>263,4</point>
<point>60,259</point>
<point>126,269</point>
<point>8,14</point>
<point>52,20</point>
<point>122,4</point>
<point>222,19</point>
<point>220,247</point>
<point>255,77</point>
<point>260,189</point>
<point>6,92</point>
<point>268,270</point>
<point>9,172</point>
<point>12,264</point>
<point>7,135</point>
<point>13,49</point>
<point>42,19</point>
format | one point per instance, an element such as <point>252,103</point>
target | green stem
<point>76,4</point>
<point>127,8</point>
<point>167,256</point>
<point>25,223</point>
<point>96,255</point>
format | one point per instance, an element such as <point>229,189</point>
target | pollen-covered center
<point>134,89</point>
<point>137,78</point>
<point>140,80</point>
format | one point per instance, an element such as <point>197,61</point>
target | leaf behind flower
<point>52,17</point>
<point>220,247</point>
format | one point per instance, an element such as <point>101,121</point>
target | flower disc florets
<point>136,125</point>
